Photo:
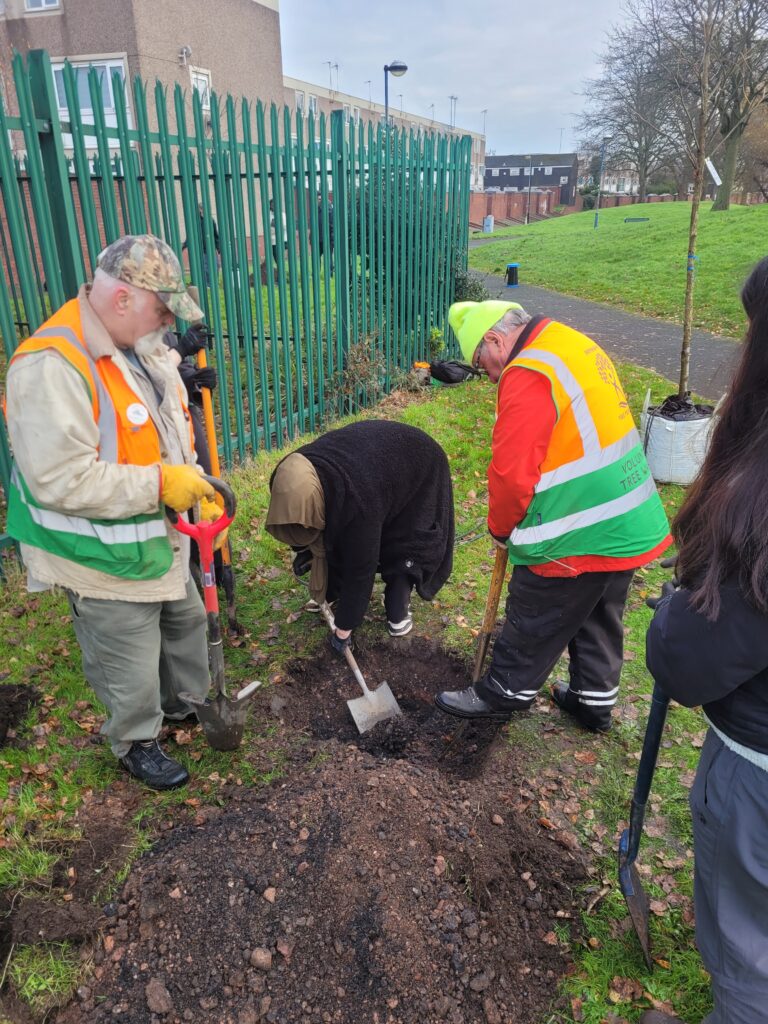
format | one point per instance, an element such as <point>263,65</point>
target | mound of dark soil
<point>356,892</point>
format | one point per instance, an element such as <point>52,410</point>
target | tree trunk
<point>723,200</point>
<point>698,188</point>
<point>642,184</point>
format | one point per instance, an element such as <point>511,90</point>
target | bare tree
<point>754,154</point>
<point>744,51</point>
<point>627,102</point>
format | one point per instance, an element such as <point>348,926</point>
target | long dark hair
<point>722,527</point>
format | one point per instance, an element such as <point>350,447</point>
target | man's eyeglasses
<point>478,354</point>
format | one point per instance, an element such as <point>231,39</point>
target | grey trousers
<point>729,806</point>
<point>138,657</point>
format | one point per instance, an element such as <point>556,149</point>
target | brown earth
<point>383,880</point>
<point>15,701</point>
<point>391,877</point>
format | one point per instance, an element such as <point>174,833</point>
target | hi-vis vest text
<point>133,548</point>
<point>596,495</point>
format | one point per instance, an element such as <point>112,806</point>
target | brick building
<point>321,99</point>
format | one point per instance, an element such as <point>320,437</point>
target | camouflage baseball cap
<point>148,262</point>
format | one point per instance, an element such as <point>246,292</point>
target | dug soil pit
<point>15,701</point>
<point>313,698</point>
<point>361,890</point>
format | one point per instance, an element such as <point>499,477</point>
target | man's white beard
<point>148,343</point>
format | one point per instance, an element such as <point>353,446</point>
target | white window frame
<point>494,172</point>
<point>347,110</point>
<point>548,171</point>
<point>514,171</point>
<point>203,74</point>
<point>109,65</point>
<point>300,100</point>
<point>34,7</point>
<point>312,105</point>
<point>356,115</point>
<point>563,179</point>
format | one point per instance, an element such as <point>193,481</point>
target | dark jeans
<point>397,593</point>
<point>544,616</point>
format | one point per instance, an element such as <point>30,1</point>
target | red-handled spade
<point>222,717</point>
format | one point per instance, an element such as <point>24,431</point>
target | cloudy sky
<point>525,66</point>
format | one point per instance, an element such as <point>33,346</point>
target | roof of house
<point>537,160</point>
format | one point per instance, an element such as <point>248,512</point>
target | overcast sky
<point>526,63</point>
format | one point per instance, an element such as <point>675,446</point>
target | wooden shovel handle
<point>491,610</point>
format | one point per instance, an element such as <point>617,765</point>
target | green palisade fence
<point>259,205</point>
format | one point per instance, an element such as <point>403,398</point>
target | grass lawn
<point>639,267</point>
<point>581,781</point>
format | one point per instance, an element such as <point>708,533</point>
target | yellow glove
<point>182,486</point>
<point>210,511</point>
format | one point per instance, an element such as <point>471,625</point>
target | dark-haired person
<point>708,645</point>
<point>371,497</point>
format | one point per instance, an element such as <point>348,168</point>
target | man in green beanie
<point>571,497</point>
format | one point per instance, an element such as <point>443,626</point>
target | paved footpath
<point>654,344</point>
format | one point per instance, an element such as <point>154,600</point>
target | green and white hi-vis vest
<point>134,548</point>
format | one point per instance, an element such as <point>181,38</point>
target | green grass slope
<point>639,267</point>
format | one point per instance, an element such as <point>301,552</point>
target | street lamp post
<point>398,69</point>
<point>606,140</point>
<point>528,206</point>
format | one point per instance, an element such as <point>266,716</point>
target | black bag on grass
<point>451,371</point>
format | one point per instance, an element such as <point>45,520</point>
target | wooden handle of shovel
<point>491,611</point>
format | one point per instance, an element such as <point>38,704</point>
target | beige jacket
<point>55,443</point>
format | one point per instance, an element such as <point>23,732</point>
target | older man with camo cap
<point>102,442</point>
<point>570,495</point>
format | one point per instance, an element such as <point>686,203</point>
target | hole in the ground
<point>316,694</point>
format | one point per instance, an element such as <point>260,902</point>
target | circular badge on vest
<point>137,414</point>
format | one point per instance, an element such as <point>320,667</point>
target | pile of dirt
<point>359,891</point>
<point>387,881</point>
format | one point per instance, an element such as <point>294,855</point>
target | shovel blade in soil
<point>636,898</point>
<point>223,718</point>
<point>377,707</point>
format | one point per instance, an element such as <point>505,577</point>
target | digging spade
<point>484,638</point>
<point>629,879</point>
<point>222,717</point>
<point>375,705</point>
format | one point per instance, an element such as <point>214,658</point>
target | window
<point>313,104</point>
<point>548,171</point>
<point>356,115</point>
<point>346,113</point>
<point>41,5</point>
<point>105,69</point>
<point>494,172</point>
<point>514,171</point>
<point>563,179</point>
<point>201,84</point>
<point>299,100</point>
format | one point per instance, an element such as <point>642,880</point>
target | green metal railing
<point>260,205</point>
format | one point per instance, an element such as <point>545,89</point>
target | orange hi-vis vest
<point>596,495</point>
<point>133,548</point>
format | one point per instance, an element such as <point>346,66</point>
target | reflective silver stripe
<point>596,693</point>
<point>589,463</point>
<point>582,415</point>
<point>588,517</point>
<point>107,422</point>
<point>598,703</point>
<point>119,533</point>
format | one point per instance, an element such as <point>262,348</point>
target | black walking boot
<point>467,704</point>
<point>567,701</point>
<point>151,765</point>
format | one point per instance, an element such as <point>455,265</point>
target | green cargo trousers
<point>138,657</point>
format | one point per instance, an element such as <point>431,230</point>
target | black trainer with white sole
<point>148,762</point>
<point>400,628</point>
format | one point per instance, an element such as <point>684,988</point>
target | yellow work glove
<point>210,511</point>
<point>182,486</point>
